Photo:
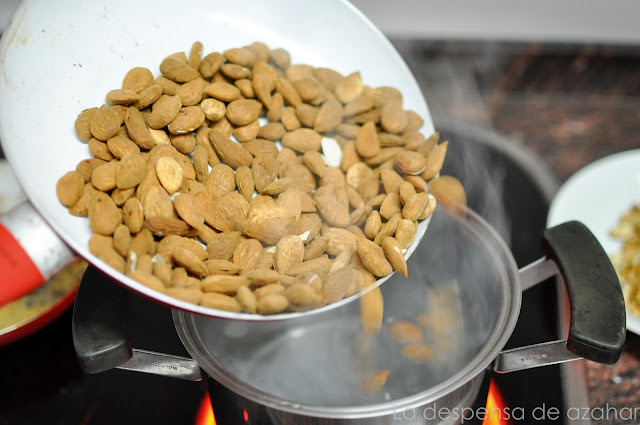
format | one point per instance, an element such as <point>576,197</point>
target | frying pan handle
<point>30,252</point>
<point>99,329</point>
<point>598,320</point>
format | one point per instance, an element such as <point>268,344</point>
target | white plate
<point>598,195</point>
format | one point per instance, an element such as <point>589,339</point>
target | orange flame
<point>495,407</point>
<point>205,412</point>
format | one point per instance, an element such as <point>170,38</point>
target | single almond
<point>221,180</point>
<point>288,92</point>
<point>170,243</point>
<point>367,143</point>
<point>268,232</point>
<point>393,252</point>
<point>120,145</point>
<point>69,188</point>
<point>420,353</point>
<point>415,206</point>
<point>434,161</point>
<point>104,215</point>
<point>247,254</point>
<point>373,258</point>
<point>164,226</point>
<point>190,261</point>
<point>391,181</point>
<point>223,91</point>
<point>314,161</point>
<point>372,383</point>
<point>212,215</point>
<point>137,79</point>
<point>121,97</point>
<point>247,299</point>
<point>349,88</point>
<point>131,171</point>
<point>169,173</point>
<point>188,208</point>
<point>104,177</point>
<point>105,123</point>
<point>319,266</point>
<point>339,240</point>
<point>371,311</point>
<point>393,119</point>
<point>405,232</point>
<point>224,284</point>
<point>234,207</point>
<point>450,193</point>
<point>262,277</point>
<point>133,215</point>
<point>243,111</point>
<point>220,302</point>
<point>302,140</point>
<point>188,119</point>
<point>148,96</point>
<point>404,331</point>
<point>223,245</point>
<point>265,170</point>
<point>230,152</point>
<point>388,229</point>
<point>178,71</point>
<point>164,110</point>
<point>272,304</point>
<point>329,116</point>
<point>359,216</point>
<point>409,162</point>
<point>302,297</point>
<point>210,64</point>
<point>289,253</point>
<point>406,191</point>
<point>244,181</point>
<point>217,266</point>
<point>333,212</point>
<point>391,205</point>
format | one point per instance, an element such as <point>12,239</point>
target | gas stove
<point>43,383</point>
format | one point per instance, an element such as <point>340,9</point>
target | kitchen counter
<point>569,105</point>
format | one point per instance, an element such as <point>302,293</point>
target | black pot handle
<point>99,330</point>
<point>598,320</point>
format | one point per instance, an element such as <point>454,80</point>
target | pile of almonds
<point>340,170</point>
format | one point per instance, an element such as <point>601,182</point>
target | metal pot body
<point>230,408</point>
<point>463,293</point>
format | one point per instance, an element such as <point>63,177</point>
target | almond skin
<point>373,258</point>
<point>69,188</point>
<point>230,152</point>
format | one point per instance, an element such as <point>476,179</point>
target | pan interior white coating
<point>58,58</point>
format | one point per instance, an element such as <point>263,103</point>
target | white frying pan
<point>58,58</point>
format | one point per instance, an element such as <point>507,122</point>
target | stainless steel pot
<point>308,370</point>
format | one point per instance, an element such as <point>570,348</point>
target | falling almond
<point>450,193</point>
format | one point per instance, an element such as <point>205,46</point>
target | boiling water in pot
<point>456,282</point>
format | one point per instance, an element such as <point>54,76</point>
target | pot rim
<point>505,324</point>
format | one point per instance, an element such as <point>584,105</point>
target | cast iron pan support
<point>597,328</point>
<point>100,335</point>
